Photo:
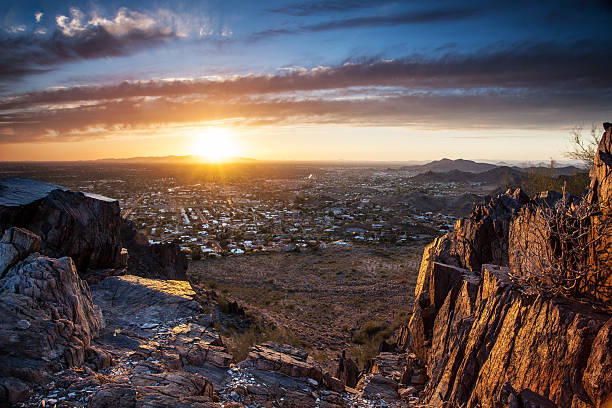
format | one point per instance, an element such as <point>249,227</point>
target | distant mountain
<point>503,175</point>
<point>172,159</point>
<point>447,165</point>
<point>559,171</point>
<point>492,176</point>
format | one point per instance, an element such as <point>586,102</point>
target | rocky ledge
<point>488,341</point>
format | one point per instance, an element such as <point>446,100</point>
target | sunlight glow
<point>214,144</point>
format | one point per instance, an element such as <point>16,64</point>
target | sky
<point>301,79</point>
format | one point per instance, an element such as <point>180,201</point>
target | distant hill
<point>447,165</point>
<point>559,171</point>
<point>172,159</point>
<point>492,176</point>
<point>503,175</point>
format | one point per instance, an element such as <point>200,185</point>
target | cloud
<point>38,15</point>
<point>546,67</point>
<point>411,17</point>
<point>530,85</point>
<point>331,6</point>
<point>77,37</point>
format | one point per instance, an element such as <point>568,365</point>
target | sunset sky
<point>300,79</point>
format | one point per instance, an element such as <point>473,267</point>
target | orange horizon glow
<point>221,142</point>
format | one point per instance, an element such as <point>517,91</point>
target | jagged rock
<point>431,291</point>
<point>529,241</point>
<point>113,395</point>
<point>15,245</point>
<point>98,358</point>
<point>391,365</point>
<point>376,386</point>
<point>285,359</point>
<point>483,237</point>
<point>155,261</point>
<point>600,284</point>
<point>82,226</point>
<point>488,333</point>
<point>131,303</point>
<point>48,317</point>
<point>347,371</point>
<point>332,383</point>
<point>597,379</point>
<point>198,346</point>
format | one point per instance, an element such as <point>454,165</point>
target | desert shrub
<point>554,245</point>
<point>367,332</point>
<point>196,253</point>
<point>240,342</point>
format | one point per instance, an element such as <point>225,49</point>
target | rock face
<point>48,317</point>
<point>156,261</point>
<point>601,194</point>
<point>82,226</point>
<point>483,339</point>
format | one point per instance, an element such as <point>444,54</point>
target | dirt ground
<point>323,298</point>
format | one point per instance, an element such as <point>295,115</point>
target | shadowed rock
<point>48,317</point>
<point>155,261</point>
<point>82,226</point>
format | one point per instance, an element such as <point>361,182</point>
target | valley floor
<point>328,300</point>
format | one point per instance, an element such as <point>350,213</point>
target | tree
<point>583,148</point>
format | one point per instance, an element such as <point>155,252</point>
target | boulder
<point>15,245</point>
<point>347,371</point>
<point>48,317</point>
<point>83,226</point>
<point>376,386</point>
<point>285,359</point>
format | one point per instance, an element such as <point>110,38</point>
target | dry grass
<point>323,298</point>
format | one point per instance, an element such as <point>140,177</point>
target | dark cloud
<point>31,53</point>
<point>530,85</point>
<point>426,110</point>
<point>311,8</point>
<point>403,18</point>
<point>548,68</point>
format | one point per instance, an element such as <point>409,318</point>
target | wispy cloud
<point>310,8</point>
<point>529,85</point>
<point>395,19</point>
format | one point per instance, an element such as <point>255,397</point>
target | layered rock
<point>48,317</point>
<point>82,226</point>
<point>485,340</point>
<point>156,261</point>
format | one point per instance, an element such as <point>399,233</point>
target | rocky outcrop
<point>488,341</point>
<point>48,317</point>
<point>82,226</point>
<point>155,261</point>
<point>483,237</point>
<point>601,196</point>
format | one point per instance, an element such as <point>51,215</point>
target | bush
<point>552,246</point>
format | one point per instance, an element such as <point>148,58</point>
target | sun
<point>215,144</point>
